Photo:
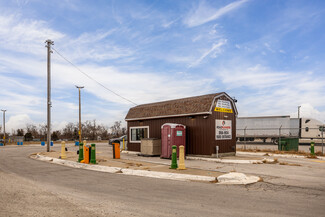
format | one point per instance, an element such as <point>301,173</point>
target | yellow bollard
<point>181,165</point>
<point>63,155</point>
<point>123,144</point>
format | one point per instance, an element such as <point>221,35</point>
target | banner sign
<point>223,130</point>
<point>223,106</point>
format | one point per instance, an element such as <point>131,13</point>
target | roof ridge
<point>169,101</point>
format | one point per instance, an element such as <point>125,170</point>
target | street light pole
<point>79,88</point>
<point>49,51</point>
<point>4,126</point>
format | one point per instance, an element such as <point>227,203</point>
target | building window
<point>137,133</point>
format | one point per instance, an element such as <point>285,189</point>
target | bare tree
<point>32,129</point>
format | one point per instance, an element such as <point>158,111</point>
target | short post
<point>63,155</point>
<point>312,148</point>
<point>245,138</point>
<point>81,152</point>
<point>323,141</point>
<point>86,155</point>
<point>174,157</point>
<point>123,144</point>
<point>217,150</point>
<point>280,136</point>
<point>93,154</point>
<point>181,158</point>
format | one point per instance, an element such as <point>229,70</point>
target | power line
<point>92,78</point>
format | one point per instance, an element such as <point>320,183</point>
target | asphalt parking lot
<point>290,187</point>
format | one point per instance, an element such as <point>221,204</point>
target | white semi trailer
<point>273,127</point>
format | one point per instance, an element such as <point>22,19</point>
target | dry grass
<point>312,156</point>
<point>289,164</point>
<point>318,153</point>
<point>214,181</point>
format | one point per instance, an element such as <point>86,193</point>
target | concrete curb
<point>238,178</point>
<point>144,173</point>
<point>226,160</point>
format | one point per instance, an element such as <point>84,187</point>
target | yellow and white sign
<point>223,106</point>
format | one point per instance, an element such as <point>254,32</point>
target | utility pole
<point>49,51</point>
<point>79,88</point>
<point>4,126</point>
<point>299,112</point>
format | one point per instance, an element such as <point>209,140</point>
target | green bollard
<point>93,154</point>
<point>312,148</point>
<point>174,158</point>
<point>81,152</point>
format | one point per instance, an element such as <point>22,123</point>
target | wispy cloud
<point>205,13</point>
<point>214,50</point>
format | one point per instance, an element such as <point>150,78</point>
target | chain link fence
<point>269,136</point>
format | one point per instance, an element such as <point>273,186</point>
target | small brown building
<point>210,121</point>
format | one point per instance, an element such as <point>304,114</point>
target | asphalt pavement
<point>52,190</point>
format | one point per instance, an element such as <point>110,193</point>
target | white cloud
<point>204,13</point>
<point>26,36</point>
<point>253,77</point>
<point>17,121</point>
<point>213,51</point>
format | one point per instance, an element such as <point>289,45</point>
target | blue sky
<point>268,54</point>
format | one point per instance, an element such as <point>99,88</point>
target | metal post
<point>79,87</point>
<point>280,137</point>
<point>245,138</point>
<point>49,51</point>
<point>4,126</point>
<point>323,140</point>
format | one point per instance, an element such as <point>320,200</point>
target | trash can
<point>116,149</point>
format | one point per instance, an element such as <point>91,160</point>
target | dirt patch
<point>289,164</point>
<point>275,161</point>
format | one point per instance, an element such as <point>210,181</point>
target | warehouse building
<point>210,121</point>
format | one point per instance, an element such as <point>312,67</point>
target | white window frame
<point>130,131</point>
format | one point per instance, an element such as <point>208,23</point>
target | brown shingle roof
<point>191,105</point>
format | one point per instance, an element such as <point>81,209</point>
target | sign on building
<point>223,106</point>
<point>223,129</point>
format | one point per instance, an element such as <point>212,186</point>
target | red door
<point>165,142</point>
